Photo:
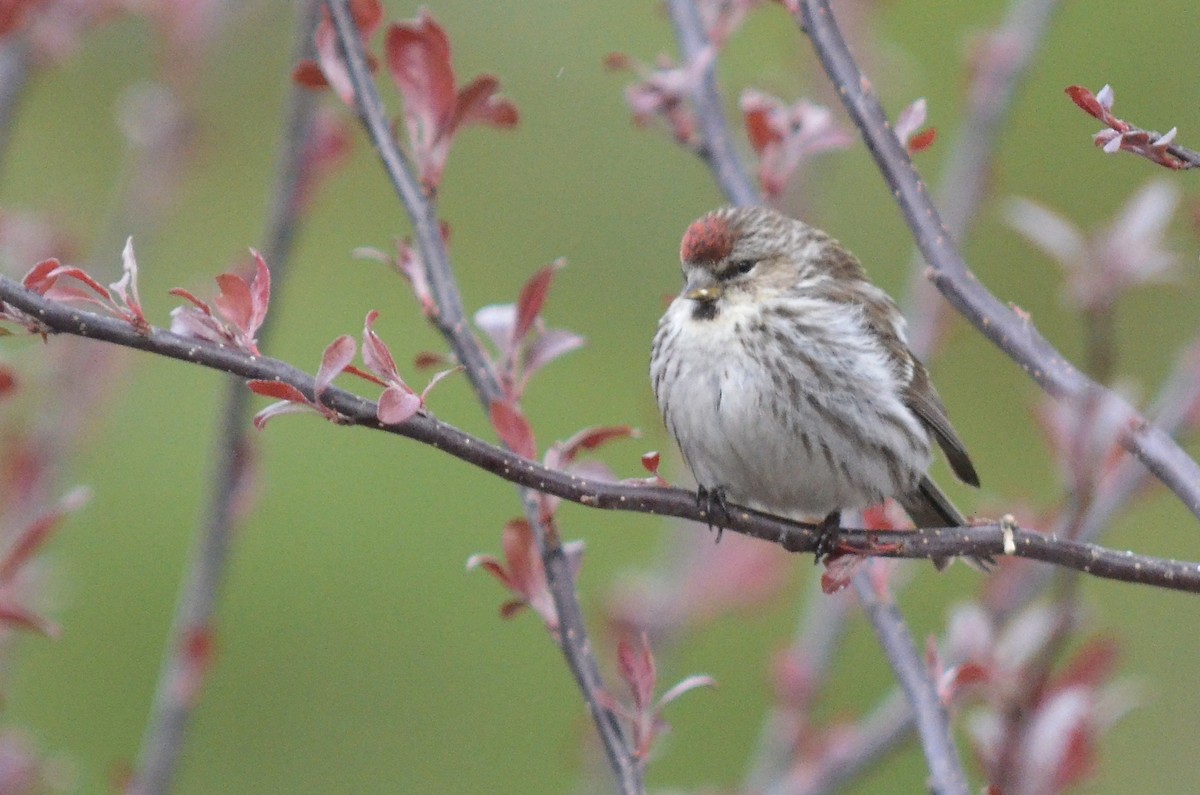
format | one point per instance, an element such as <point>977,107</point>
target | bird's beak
<point>702,289</point>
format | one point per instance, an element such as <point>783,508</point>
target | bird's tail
<point>927,506</point>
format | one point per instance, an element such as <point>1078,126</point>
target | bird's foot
<point>711,501</point>
<point>828,531</point>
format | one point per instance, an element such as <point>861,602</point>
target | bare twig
<point>173,700</point>
<point>1002,62</point>
<point>1012,333</point>
<point>993,539</point>
<point>14,74</point>
<point>716,146</point>
<point>933,723</point>
<point>451,321</point>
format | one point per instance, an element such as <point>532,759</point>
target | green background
<point>354,654</point>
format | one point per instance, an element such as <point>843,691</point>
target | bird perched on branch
<point>784,375</point>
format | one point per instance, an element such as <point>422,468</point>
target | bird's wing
<point>922,398</point>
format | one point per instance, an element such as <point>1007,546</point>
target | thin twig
<point>14,75</point>
<point>976,541</point>
<point>173,701</point>
<point>451,321</point>
<point>716,145</point>
<point>946,776</point>
<point>1012,333</point>
<point>1005,56</point>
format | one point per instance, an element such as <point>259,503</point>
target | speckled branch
<point>993,539</point>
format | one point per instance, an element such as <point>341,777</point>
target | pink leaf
<point>22,618</point>
<point>684,686</point>
<point>126,288</point>
<point>437,379</point>
<point>260,293</point>
<point>337,355</point>
<point>35,535</point>
<point>635,664</point>
<point>548,346</point>
<point>275,409</point>
<point>397,404</point>
<point>376,354</point>
<point>512,428</point>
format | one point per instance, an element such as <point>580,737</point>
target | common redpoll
<point>784,375</point>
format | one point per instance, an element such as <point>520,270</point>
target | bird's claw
<point>710,501</point>
<point>828,531</point>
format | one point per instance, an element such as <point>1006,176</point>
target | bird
<point>785,377</point>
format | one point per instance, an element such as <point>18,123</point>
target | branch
<point>450,320</point>
<point>995,539</point>
<point>933,723</point>
<point>15,66</point>
<point>1121,136</point>
<point>1004,58</point>
<point>192,625</point>
<point>716,147</point>
<point>1013,334</point>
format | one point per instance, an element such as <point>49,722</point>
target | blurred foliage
<point>354,653</point>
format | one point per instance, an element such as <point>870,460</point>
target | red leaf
<point>234,301</point>
<point>367,16</point>
<point>1086,100</point>
<point>179,292</point>
<point>426,359</point>
<point>364,375</point>
<point>532,298</point>
<point>590,439</point>
<point>309,75</point>
<point>418,58</point>
<point>36,279</point>
<point>759,129</point>
<point>277,389</point>
<point>839,570</point>
<point>513,429</point>
<point>478,104</point>
<point>922,140</point>
<point>8,381</point>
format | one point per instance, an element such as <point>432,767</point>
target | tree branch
<point>716,147</point>
<point>1012,333</point>
<point>174,699</point>
<point>977,540</point>
<point>933,724</point>
<point>451,321</point>
<point>1005,56</point>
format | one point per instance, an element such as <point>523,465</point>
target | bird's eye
<point>739,268</point>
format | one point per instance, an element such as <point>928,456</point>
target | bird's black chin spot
<point>704,310</point>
